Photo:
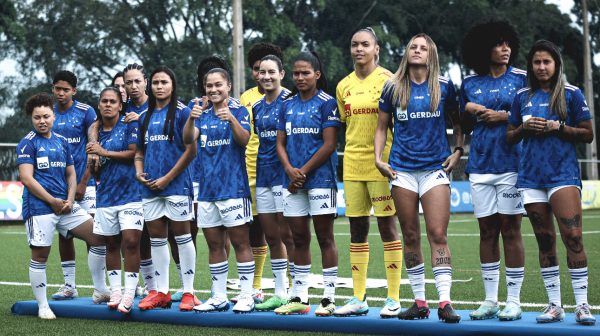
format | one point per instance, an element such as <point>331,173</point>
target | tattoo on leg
<point>576,264</point>
<point>411,259</point>
<point>536,218</point>
<point>441,252</point>
<point>548,261</point>
<point>546,242</point>
<point>571,223</point>
<point>442,261</point>
<point>574,244</point>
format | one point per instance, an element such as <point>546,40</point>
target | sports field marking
<point>343,297</point>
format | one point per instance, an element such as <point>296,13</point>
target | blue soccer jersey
<point>548,161</point>
<point>222,167</point>
<point>50,158</point>
<point>161,153</point>
<point>232,103</point>
<point>304,122</point>
<point>489,152</point>
<point>420,141</point>
<point>73,124</point>
<point>118,185</point>
<point>269,171</point>
<point>139,110</point>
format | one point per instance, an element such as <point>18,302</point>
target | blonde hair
<point>400,81</point>
<point>558,101</point>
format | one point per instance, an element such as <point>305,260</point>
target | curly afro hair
<point>207,64</point>
<point>481,38</point>
<point>262,49</point>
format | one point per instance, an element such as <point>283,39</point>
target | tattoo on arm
<point>139,158</point>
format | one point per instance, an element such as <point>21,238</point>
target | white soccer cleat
<point>244,305</point>
<point>390,309</point>
<point>126,303</point>
<point>45,313</point>
<point>100,296</point>
<point>65,293</point>
<point>213,304</point>
<point>115,299</point>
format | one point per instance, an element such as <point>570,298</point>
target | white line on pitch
<point>344,297</point>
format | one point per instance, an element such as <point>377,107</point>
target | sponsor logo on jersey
<point>401,115</point>
<point>304,130</point>
<point>219,142</point>
<point>203,138</point>
<point>43,163</point>
<point>347,109</point>
<point>21,156</point>
<point>74,140</point>
<point>288,126</point>
<point>23,149</point>
<point>231,208</point>
<point>366,110</point>
<point>268,134</point>
<point>422,115</point>
<point>419,97</point>
<point>159,137</point>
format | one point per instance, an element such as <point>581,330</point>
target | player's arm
<point>184,160</point>
<point>240,135</point>
<point>323,153</point>
<point>294,174</point>
<point>581,133</point>
<point>190,131</point>
<point>125,156</point>
<point>383,122</point>
<point>459,139</point>
<point>36,189</point>
<point>138,162</point>
<point>71,178</point>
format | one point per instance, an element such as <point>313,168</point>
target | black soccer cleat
<point>414,313</point>
<point>448,315</point>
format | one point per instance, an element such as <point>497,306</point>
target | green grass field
<point>463,239</point>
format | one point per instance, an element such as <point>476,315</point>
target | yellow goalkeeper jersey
<point>247,99</point>
<point>359,101</point>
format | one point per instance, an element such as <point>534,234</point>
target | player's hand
<point>196,110</point>
<point>95,148</point>
<point>291,188</point>
<point>535,125</point>
<point>67,206</point>
<point>159,184</point>
<point>57,205</point>
<point>551,126</point>
<point>131,116</point>
<point>385,170</point>
<point>141,177</point>
<point>93,161</point>
<point>492,117</point>
<point>224,114</point>
<point>451,162</point>
<point>80,191</point>
<point>296,176</point>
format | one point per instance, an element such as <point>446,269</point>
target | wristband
<point>561,126</point>
<point>460,149</point>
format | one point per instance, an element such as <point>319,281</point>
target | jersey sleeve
<point>182,117</point>
<point>578,108</point>
<point>25,152</point>
<point>282,114</point>
<point>68,153</point>
<point>140,136</point>
<point>90,117</point>
<point>330,114</point>
<point>132,133</point>
<point>339,97</point>
<point>462,98</point>
<point>385,102</point>
<point>515,111</point>
<point>243,117</point>
<point>451,103</point>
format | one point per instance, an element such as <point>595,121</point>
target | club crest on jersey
<point>203,138</point>
<point>288,128</point>
<point>401,115</point>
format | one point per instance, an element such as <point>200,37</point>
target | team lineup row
<point>259,169</point>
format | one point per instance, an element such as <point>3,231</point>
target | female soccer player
<point>48,174</point>
<point>550,116</point>
<point>224,196</point>
<point>485,99</point>
<point>118,82</point>
<point>418,100</point>
<point>365,188</point>
<point>269,177</point>
<point>161,163</point>
<point>306,143</point>
<point>119,215</point>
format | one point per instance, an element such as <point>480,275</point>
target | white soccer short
<point>176,207</point>
<point>229,213</point>
<point>111,221</point>
<point>40,229</point>
<point>542,195</point>
<point>314,202</point>
<point>495,193</point>
<point>420,181</point>
<point>88,203</point>
<point>269,200</point>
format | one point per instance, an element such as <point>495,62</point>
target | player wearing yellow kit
<point>364,186</point>
<point>247,99</point>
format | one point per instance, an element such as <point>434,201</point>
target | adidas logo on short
<point>138,223</point>
<point>189,272</point>
<point>238,217</point>
<point>324,206</point>
<point>440,176</point>
<point>184,213</point>
<point>519,206</point>
<point>388,208</point>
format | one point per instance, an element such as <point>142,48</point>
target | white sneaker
<point>126,303</point>
<point>391,308</point>
<point>100,296</point>
<point>45,313</point>
<point>257,295</point>
<point>352,307</point>
<point>115,299</point>
<point>65,293</point>
<point>214,304</point>
<point>244,305</point>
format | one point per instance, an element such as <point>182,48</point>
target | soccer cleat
<point>511,312</point>
<point>244,305</point>
<point>126,303</point>
<point>100,296</point>
<point>160,300</point>
<point>45,313</point>
<point>272,303</point>
<point>188,302</point>
<point>448,315</point>
<point>177,296</point>
<point>293,307</point>
<point>352,307</point>
<point>583,315</point>
<point>213,304</point>
<point>391,308</point>
<point>414,313</point>
<point>257,295</point>
<point>552,313</point>
<point>325,308</point>
<point>65,293</point>
<point>115,299</point>
<point>487,310</point>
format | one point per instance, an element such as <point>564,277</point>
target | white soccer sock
<point>579,279</point>
<point>68,269</point>
<point>187,259</point>
<point>279,268</point>
<point>443,282</point>
<point>246,276</point>
<point>551,278</point>
<point>114,280</point>
<point>416,277</point>
<point>37,279</point>
<point>161,259</point>
<point>301,282</point>
<point>97,266</point>
<point>131,281</point>
<point>147,270</point>
<point>491,276</point>
<point>329,279</point>
<point>292,286</point>
<point>514,280</point>
<point>218,273</point>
